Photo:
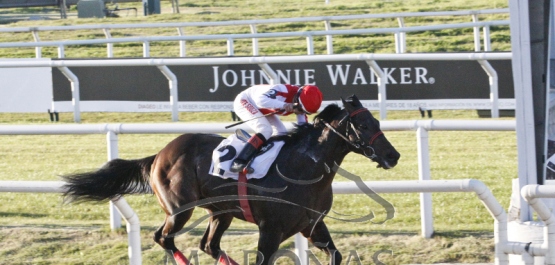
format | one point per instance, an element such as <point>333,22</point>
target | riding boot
<point>248,152</point>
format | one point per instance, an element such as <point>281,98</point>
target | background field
<point>39,229</point>
<point>450,40</point>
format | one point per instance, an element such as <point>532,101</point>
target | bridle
<point>367,150</point>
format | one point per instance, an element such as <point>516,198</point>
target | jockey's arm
<point>263,101</point>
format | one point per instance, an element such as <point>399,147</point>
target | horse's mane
<point>326,115</point>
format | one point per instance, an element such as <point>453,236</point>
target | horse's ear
<point>351,103</point>
<point>343,100</point>
<point>355,102</point>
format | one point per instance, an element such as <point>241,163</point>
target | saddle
<point>229,148</point>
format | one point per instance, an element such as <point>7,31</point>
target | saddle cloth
<point>229,148</point>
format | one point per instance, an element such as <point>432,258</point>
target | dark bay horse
<point>293,197</point>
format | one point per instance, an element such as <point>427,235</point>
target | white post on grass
<point>113,153</point>
<point>426,215</point>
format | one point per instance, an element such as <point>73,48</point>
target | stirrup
<point>238,167</point>
<point>242,135</point>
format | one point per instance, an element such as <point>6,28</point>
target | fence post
<point>74,92</point>
<point>427,218</point>
<point>301,246</point>
<point>397,42</point>
<point>146,49</point>
<point>382,95</point>
<point>269,72</point>
<point>493,87</point>
<point>174,101</point>
<point>113,153</point>
<point>329,38</point>
<point>309,45</point>
<point>487,39</point>
<point>230,47</point>
<point>133,231</point>
<point>38,49</point>
<point>402,36</point>
<point>109,46</point>
<point>477,46</point>
<point>254,40</point>
<point>182,46</point>
<point>61,51</point>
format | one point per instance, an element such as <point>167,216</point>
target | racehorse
<point>293,197</point>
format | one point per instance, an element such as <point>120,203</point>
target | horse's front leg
<point>321,238</point>
<point>268,243</point>
<point>210,242</point>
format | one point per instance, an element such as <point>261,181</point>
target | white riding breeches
<point>267,126</point>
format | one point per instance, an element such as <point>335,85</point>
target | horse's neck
<point>334,149</point>
<point>322,151</point>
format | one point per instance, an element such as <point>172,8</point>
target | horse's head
<point>365,136</point>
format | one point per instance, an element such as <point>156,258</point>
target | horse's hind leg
<point>211,239</point>
<point>165,235</point>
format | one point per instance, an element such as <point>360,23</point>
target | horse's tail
<point>114,179</point>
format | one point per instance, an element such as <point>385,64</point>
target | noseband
<point>367,150</point>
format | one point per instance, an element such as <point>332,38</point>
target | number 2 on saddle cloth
<point>227,150</point>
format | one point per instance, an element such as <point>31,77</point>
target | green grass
<point>460,219</point>
<point>40,229</point>
<point>452,40</point>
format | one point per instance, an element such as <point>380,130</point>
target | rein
<point>359,143</point>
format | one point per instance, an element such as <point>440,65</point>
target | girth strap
<point>243,201</point>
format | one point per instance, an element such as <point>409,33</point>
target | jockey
<point>280,99</point>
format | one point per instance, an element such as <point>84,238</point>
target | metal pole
<point>181,43</point>
<point>133,231</point>
<point>75,98</point>
<point>112,145</point>
<point>532,195</point>
<point>38,50</point>
<point>309,45</point>
<point>173,91</point>
<point>109,46</point>
<point>382,95</point>
<point>424,173</point>
<point>487,39</point>
<point>270,72</point>
<point>61,51</point>
<point>476,34</point>
<point>146,49</point>
<point>402,36</point>
<point>329,38</point>
<point>493,87</point>
<point>230,47</point>
<point>301,246</point>
<point>254,40</point>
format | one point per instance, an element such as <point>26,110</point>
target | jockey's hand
<point>289,107</point>
<point>298,111</point>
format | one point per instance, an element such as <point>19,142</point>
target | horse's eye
<point>363,127</point>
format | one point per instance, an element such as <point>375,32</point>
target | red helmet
<point>310,98</point>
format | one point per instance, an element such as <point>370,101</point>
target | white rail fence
<point>131,218</point>
<point>399,33</point>
<point>263,63</point>
<point>420,126</point>
<point>502,245</point>
<point>533,194</point>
